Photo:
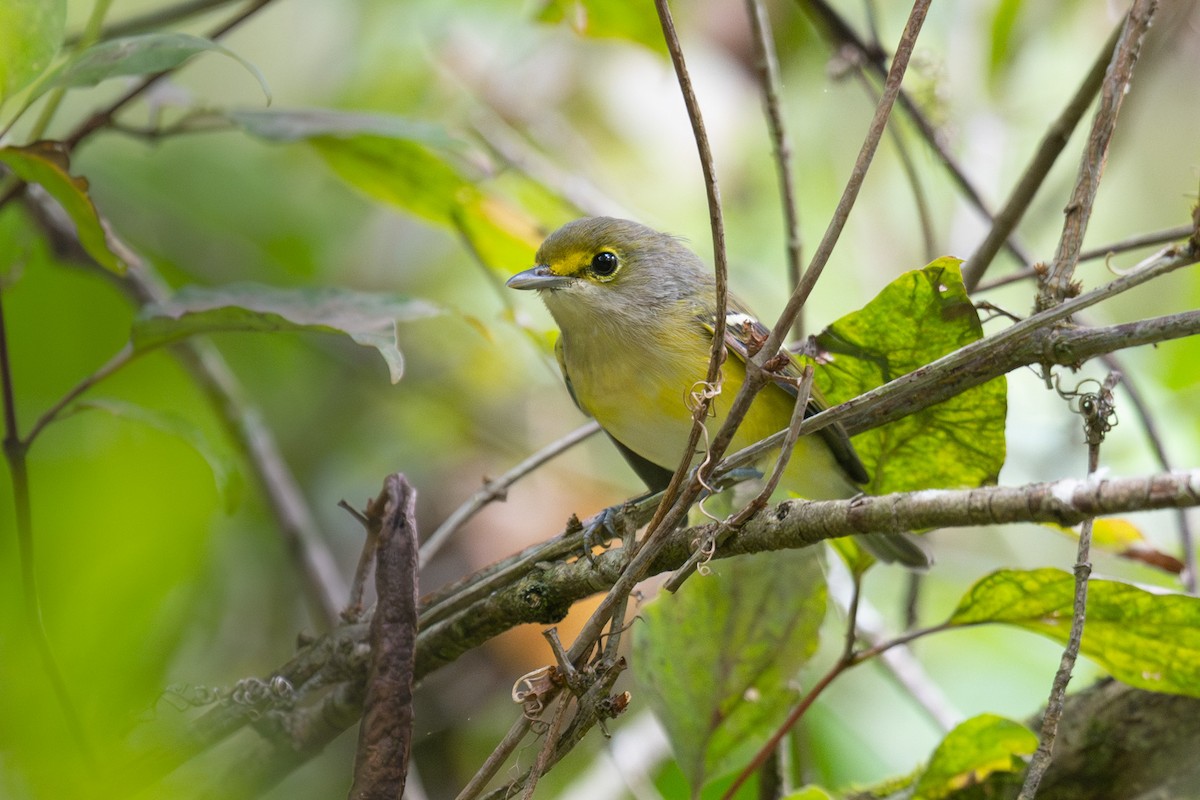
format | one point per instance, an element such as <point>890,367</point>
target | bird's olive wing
<point>744,337</point>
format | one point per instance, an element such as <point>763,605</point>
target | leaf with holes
<point>917,318</point>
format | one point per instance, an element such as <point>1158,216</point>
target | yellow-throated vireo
<point>636,310</point>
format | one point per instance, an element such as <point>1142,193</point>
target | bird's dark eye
<point>605,263</point>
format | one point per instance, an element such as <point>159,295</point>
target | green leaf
<point>917,318</point>
<point>144,54</point>
<point>606,19</point>
<point>221,460</point>
<point>716,658</point>
<point>368,319</point>
<point>1148,640</point>
<point>46,164</point>
<point>972,751</point>
<point>30,33</point>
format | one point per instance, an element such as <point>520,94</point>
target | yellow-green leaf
<point>46,164</point>
<point>607,19</point>
<point>1147,639</point>
<point>971,752</point>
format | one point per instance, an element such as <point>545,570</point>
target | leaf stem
<point>15,452</point>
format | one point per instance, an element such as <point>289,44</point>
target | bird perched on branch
<point>636,309</point>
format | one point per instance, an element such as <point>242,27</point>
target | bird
<point>636,312</point>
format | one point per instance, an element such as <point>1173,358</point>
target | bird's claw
<point>599,531</point>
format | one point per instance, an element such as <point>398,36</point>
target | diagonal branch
<point>1057,284</point>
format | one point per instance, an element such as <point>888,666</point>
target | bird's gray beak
<point>539,277</point>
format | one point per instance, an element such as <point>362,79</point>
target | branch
<point>545,596</point>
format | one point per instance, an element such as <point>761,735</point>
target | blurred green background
<point>151,577</point>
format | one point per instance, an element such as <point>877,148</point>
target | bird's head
<point>601,266</point>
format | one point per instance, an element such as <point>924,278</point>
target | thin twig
<point>497,488</point>
<point>1057,283</point>
<point>766,62</point>
<point>834,27</point>
<point>543,756</point>
<point>898,661</point>
<point>1098,413</point>
<point>1053,142</point>
<point>158,18</point>
<point>1153,239</point>
<point>720,267</point>
<point>122,359</point>
<point>495,760</point>
<point>858,173</point>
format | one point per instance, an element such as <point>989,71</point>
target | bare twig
<point>543,757</point>
<point>824,249</point>
<point>1053,142</point>
<point>497,488</point>
<point>1098,415</point>
<point>720,266</point>
<point>767,67</point>
<point>835,28</point>
<point>494,761</point>
<point>1105,251</point>
<point>123,357</point>
<point>156,18</point>
<point>1057,284</point>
